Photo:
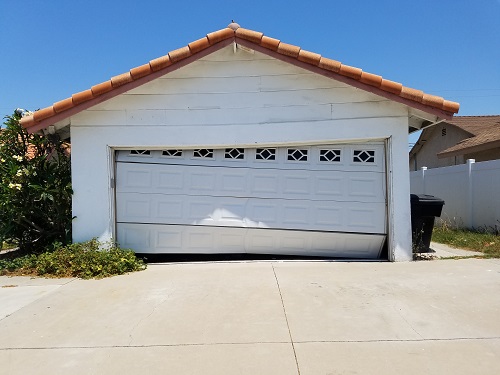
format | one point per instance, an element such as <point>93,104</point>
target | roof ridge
<point>44,117</point>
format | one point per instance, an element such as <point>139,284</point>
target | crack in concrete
<point>256,343</point>
<point>286,318</point>
<point>36,299</point>
<point>407,322</point>
<point>142,319</point>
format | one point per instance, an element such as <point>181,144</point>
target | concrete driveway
<point>258,317</point>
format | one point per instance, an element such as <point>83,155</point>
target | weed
<point>479,239</point>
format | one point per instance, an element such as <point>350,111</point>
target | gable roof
<point>255,40</point>
<point>484,131</point>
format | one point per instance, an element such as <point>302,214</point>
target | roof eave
<point>350,81</point>
<point>355,77</point>
<point>468,150</point>
<point>127,87</point>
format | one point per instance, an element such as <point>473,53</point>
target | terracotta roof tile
<point>309,57</point>
<point>199,45</point>
<point>371,79</point>
<point>432,100</point>
<point>81,97</point>
<point>329,64</point>
<point>179,54</point>
<point>101,88</point>
<point>121,79</point>
<point>140,71</point>
<point>28,121</point>
<point>44,113</point>
<point>270,43</point>
<point>391,86</point>
<point>350,71</point>
<point>413,94</point>
<point>160,63</point>
<point>63,105</point>
<point>220,35</point>
<point>253,36</point>
<point>288,49</point>
<point>450,106</point>
<point>291,53</point>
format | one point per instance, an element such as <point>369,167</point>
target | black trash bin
<point>424,208</point>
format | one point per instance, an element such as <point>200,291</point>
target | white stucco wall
<point>234,99</point>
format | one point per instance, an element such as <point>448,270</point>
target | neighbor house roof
<point>484,131</point>
<point>252,39</point>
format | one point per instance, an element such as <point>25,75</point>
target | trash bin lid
<point>425,199</point>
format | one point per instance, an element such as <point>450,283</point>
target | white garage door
<point>309,200</point>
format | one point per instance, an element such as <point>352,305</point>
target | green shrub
<point>35,187</point>
<point>84,260</point>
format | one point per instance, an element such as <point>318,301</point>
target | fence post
<point>470,193</point>
<point>423,169</point>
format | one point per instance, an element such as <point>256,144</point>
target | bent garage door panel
<point>317,200</point>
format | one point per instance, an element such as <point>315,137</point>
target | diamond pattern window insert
<point>296,154</point>
<point>140,152</point>
<point>204,153</point>
<point>329,155</point>
<point>172,153</point>
<point>265,154</point>
<point>234,153</point>
<point>363,156</point>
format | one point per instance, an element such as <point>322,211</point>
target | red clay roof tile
<point>371,79</point>
<point>329,64</point>
<point>270,43</point>
<point>121,79</point>
<point>391,86</point>
<point>44,113</point>
<point>179,54</point>
<point>350,71</point>
<point>63,105</point>
<point>82,96</point>
<point>407,95</point>
<point>199,45</point>
<point>220,35</point>
<point>412,94</point>
<point>101,88</point>
<point>309,57</point>
<point>450,106</point>
<point>160,63</point>
<point>432,100</point>
<point>288,49</point>
<point>253,36</point>
<point>140,71</point>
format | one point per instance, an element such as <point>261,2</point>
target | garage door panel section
<point>247,182</point>
<point>175,239</point>
<point>251,212</point>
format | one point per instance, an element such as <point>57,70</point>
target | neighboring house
<point>454,141</point>
<point>237,143</point>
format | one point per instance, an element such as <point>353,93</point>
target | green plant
<point>479,239</point>
<point>84,260</point>
<point>35,189</point>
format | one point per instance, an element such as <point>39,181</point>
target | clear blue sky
<point>52,49</point>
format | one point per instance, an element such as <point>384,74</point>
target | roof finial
<point>233,25</point>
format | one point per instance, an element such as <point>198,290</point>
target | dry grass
<point>478,240</point>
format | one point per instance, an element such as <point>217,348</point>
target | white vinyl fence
<point>471,192</point>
